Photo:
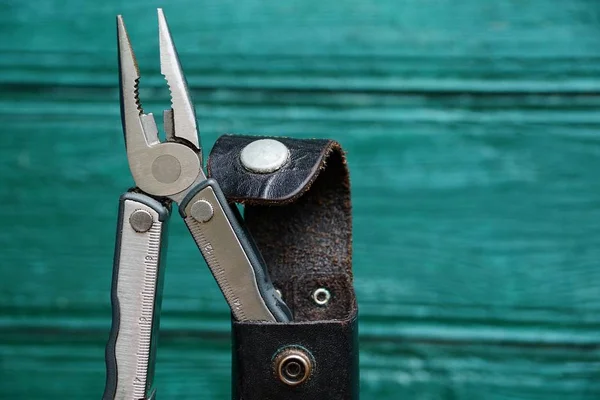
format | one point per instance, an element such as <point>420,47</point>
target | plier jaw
<point>170,168</point>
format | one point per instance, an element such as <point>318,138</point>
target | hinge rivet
<point>202,211</point>
<point>141,221</point>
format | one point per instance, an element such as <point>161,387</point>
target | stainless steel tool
<point>166,172</point>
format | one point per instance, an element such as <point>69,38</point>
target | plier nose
<point>171,167</point>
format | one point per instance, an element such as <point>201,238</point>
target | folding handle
<point>231,255</point>
<point>136,296</point>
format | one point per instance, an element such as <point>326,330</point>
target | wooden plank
<point>514,205</point>
<point>316,27</point>
<point>480,73</point>
<point>436,46</point>
<point>192,365</point>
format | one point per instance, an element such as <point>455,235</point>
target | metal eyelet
<point>321,296</point>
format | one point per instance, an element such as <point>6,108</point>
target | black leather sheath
<point>300,218</point>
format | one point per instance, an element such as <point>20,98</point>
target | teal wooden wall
<point>472,131</point>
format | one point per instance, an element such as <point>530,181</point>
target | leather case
<point>300,219</point>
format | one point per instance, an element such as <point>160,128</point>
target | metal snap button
<point>264,156</point>
<point>293,365</point>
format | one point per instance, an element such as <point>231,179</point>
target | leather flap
<point>307,158</point>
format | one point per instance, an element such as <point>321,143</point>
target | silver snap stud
<point>264,156</point>
<point>141,221</point>
<point>202,211</point>
<point>321,296</point>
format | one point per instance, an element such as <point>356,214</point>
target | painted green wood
<point>472,135</point>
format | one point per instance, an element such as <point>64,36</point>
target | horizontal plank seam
<point>257,55</point>
<point>25,331</point>
<point>9,86</point>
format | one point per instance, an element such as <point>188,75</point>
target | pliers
<point>167,172</point>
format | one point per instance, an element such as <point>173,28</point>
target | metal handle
<point>136,297</point>
<point>231,255</point>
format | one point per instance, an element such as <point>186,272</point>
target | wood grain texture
<point>472,134</point>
